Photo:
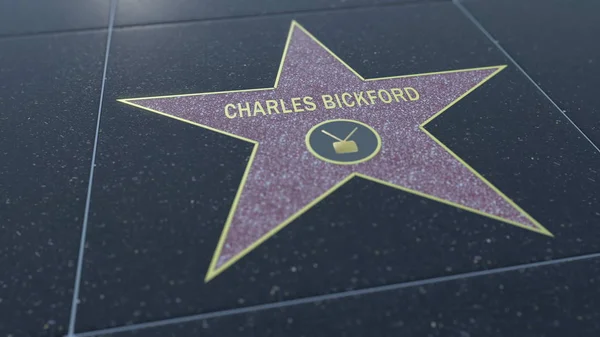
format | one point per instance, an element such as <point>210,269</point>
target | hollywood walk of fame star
<point>284,178</point>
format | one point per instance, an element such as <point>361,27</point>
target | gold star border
<point>214,271</point>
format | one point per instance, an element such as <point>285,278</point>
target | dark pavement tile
<point>555,42</point>
<point>163,188</point>
<point>550,301</point>
<point>31,16</point>
<point>49,96</point>
<point>134,12</point>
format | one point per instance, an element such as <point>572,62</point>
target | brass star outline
<point>213,271</point>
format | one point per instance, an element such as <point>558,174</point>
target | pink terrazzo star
<point>284,178</point>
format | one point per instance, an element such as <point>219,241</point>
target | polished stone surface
<point>26,17</point>
<point>140,12</point>
<point>162,189</point>
<point>552,41</point>
<point>549,301</point>
<point>49,96</point>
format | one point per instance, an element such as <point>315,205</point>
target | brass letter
<point>309,104</point>
<point>285,111</point>
<point>242,110</point>
<point>328,101</point>
<point>411,97</point>
<point>389,97</point>
<point>371,94</point>
<point>397,92</point>
<point>346,102</point>
<point>227,110</point>
<point>258,108</point>
<point>272,104</point>
<point>359,98</point>
<point>296,104</point>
